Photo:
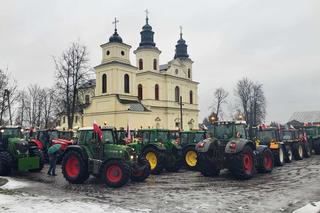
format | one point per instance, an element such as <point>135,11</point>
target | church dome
<point>115,37</point>
<point>147,36</point>
<point>181,49</point>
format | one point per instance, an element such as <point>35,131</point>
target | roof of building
<point>134,105</point>
<point>89,83</point>
<point>306,117</point>
<point>163,67</point>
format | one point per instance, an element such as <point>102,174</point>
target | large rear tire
<point>190,158</point>
<point>154,157</point>
<point>75,167</point>
<point>279,156</point>
<point>306,150</point>
<point>242,164</point>
<point>39,154</point>
<point>140,176</point>
<point>5,163</point>
<point>289,155</point>
<point>206,167</point>
<point>115,173</point>
<point>266,162</point>
<point>297,150</point>
<point>316,147</point>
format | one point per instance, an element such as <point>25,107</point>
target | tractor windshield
<point>12,132</point>
<point>108,136</point>
<point>163,136</point>
<point>287,135</point>
<point>266,136</point>
<point>53,134</point>
<point>198,137</point>
<point>311,131</point>
<point>65,135</point>
<point>224,131</point>
<point>184,138</point>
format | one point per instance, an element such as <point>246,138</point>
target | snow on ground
<point>13,184</point>
<point>313,207</point>
<point>14,203</point>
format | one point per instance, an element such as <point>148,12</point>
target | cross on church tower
<point>147,15</point>
<point>180,31</point>
<point>115,23</point>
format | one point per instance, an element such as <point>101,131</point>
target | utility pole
<point>181,117</point>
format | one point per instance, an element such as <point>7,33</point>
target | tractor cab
<point>66,135</point>
<point>12,134</point>
<point>226,131</point>
<point>161,136</point>
<point>191,137</point>
<point>122,136</point>
<point>267,135</point>
<point>289,135</point>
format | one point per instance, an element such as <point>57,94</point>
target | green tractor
<point>229,146</point>
<point>313,136</point>
<point>271,138</point>
<point>188,141</point>
<point>103,158</point>
<point>158,147</point>
<point>294,143</point>
<point>16,153</point>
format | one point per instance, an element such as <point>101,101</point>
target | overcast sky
<point>275,42</point>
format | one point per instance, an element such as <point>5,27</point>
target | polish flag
<point>97,130</point>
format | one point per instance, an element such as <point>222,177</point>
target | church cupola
<point>115,37</point>
<point>147,54</point>
<point>147,35</point>
<point>181,48</point>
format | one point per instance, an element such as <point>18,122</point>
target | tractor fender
<point>206,145</point>
<point>240,144</point>
<point>77,148</point>
<point>37,143</point>
<point>188,146</point>
<point>261,148</point>
<point>157,147</point>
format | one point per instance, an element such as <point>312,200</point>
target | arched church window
<point>140,64</point>
<point>155,64</point>
<point>191,97</point>
<point>189,73</point>
<point>177,94</point>
<point>104,83</point>
<point>126,83</point>
<point>156,92</point>
<point>140,92</point>
<point>87,99</point>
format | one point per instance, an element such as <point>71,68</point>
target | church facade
<point>144,95</point>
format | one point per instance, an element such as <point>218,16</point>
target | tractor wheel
<point>154,157</point>
<point>316,147</point>
<point>115,173</point>
<point>140,176</point>
<point>297,149</point>
<point>37,152</point>
<point>279,156</point>
<point>306,150</point>
<point>242,164</point>
<point>190,158</point>
<point>289,154</point>
<point>205,166</point>
<point>74,167</point>
<point>5,163</point>
<point>266,162</point>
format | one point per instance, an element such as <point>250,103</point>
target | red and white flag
<point>97,130</point>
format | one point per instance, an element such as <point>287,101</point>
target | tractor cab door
<point>145,137</point>
<point>94,143</point>
<point>241,132</point>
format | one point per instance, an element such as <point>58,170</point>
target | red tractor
<point>43,139</point>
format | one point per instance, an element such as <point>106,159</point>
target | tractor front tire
<point>154,157</point>
<point>37,152</point>
<point>190,158</point>
<point>266,162</point>
<point>5,163</point>
<point>242,164</point>
<point>289,154</point>
<point>115,173</point>
<point>297,149</point>
<point>279,156</point>
<point>140,176</point>
<point>206,167</point>
<point>75,167</point>
<point>306,150</point>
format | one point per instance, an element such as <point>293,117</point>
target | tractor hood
<point>204,146</point>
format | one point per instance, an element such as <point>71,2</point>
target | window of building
<point>140,64</point>
<point>126,83</point>
<point>140,92</point>
<point>76,120</point>
<point>156,92</point>
<point>87,99</point>
<point>177,94</point>
<point>122,53</point>
<point>108,52</point>
<point>64,119</point>
<point>189,73</point>
<point>155,64</point>
<point>176,71</point>
<point>191,97</point>
<point>104,83</point>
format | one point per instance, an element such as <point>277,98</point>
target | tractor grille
<point>218,152</point>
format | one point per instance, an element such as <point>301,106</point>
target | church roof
<point>306,116</point>
<point>115,63</point>
<point>163,67</point>
<point>88,84</point>
<point>134,105</point>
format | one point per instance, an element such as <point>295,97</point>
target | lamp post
<point>181,117</point>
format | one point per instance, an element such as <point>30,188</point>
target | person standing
<point>52,163</point>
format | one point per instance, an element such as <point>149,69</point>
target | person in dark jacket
<point>52,162</point>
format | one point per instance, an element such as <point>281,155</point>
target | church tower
<point>147,54</point>
<point>115,74</point>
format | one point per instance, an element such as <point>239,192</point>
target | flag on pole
<point>128,133</point>
<point>97,130</point>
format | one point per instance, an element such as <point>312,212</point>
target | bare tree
<point>220,98</point>
<point>48,107</point>
<point>71,71</point>
<point>253,101</point>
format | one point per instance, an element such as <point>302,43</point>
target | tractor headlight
<point>131,157</point>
